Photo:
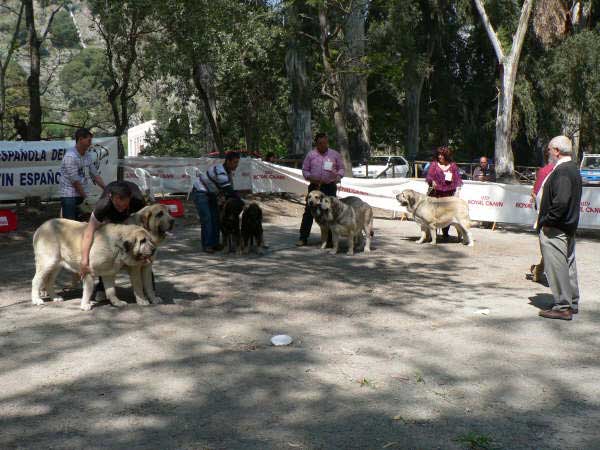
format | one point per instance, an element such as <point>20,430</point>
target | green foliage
<point>84,82</point>
<point>63,33</point>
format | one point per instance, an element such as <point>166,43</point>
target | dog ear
<point>127,246</point>
<point>336,206</point>
<point>412,198</point>
<point>146,218</point>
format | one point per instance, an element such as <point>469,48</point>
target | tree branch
<point>519,36</point>
<point>490,31</point>
<point>50,23</point>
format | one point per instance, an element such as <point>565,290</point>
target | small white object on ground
<point>281,339</point>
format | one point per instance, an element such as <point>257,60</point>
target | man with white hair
<point>557,222</point>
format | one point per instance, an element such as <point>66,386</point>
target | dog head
<point>408,198</point>
<point>137,246</point>
<point>156,219</point>
<point>253,213</point>
<point>331,207</point>
<point>315,198</point>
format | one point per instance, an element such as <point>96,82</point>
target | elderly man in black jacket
<point>557,222</point>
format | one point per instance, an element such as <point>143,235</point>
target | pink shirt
<point>540,176</point>
<point>327,167</point>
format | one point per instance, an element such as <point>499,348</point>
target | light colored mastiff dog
<point>433,213</point>
<point>57,244</point>
<point>157,220</point>
<point>313,200</point>
<point>350,217</point>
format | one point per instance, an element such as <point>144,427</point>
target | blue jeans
<point>70,207</point>
<point>208,212</point>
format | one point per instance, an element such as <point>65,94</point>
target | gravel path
<point>412,347</point>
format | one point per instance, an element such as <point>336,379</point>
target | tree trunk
<point>413,113</point>
<point>342,140</point>
<point>300,101</point>
<point>571,127</point>
<point>251,132</point>
<point>504,160</point>
<point>34,132</point>
<point>202,81</point>
<point>354,83</point>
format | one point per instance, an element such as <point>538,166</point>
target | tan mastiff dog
<point>57,244</point>
<point>157,220</point>
<point>314,199</point>
<point>350,217</point>
<point>433,213</point>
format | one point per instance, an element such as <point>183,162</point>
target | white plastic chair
<point>150,183</point>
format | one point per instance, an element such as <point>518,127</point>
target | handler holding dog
<point>119,200</point>
<point>323,168</point>
<point>443,178</point>
<point>207,186</point>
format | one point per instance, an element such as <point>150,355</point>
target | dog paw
<point>367,250</point>
<point>118,303</point>
<point>58,299</point>
<point>37,301</point>
<point>142,301</point>
<point>86,306</point>
<point>157,300</point>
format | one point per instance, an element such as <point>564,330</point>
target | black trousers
<point>307,218</point>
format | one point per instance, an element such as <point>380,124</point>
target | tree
<point>6,61</point>
<point>35,41</point>
<point>85,82</point>
<point>507,65</point>
<point>123,27</point>
<point>299,81</point>
<point>355,80</point>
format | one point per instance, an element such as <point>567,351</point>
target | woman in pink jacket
<point>443,177</point>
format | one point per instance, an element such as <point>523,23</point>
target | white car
<point>383,167</point>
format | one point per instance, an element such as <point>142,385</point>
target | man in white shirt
<point>76,169</point>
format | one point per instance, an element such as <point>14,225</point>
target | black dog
<point>252,230</point>
<point>230,224</point>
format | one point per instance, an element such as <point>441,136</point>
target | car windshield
<point>591,162</point>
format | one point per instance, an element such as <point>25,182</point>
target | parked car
<point>590,168</point>
<point>383,167</point>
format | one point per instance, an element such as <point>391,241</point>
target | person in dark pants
<point>557,223</point>
<point>207,186</point>
<point>119,200</point>
<point>323,168</point>
<point>76,170</point>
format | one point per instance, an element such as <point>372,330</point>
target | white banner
<point>32,169</point>
<point>490,202</point>
<point>175,174</point>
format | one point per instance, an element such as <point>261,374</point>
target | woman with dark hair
<point>443,177</point>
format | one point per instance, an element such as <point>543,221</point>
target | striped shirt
<point>214,180</point>
<point>75,167</point>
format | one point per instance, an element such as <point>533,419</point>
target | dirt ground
<point>409,347</point>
